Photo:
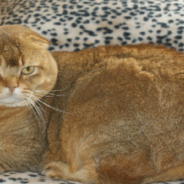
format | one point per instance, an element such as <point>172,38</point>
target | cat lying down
<point>108,115</point>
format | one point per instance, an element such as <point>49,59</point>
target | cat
<point>105,115</point>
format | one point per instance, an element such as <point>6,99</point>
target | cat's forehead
<point>10,55</point>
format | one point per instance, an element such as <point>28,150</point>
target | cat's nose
<point>11,88</point>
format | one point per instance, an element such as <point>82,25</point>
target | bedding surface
<point>72,25</point>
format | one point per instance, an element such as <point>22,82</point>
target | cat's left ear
<point>38,41</point>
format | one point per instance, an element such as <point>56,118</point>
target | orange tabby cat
<point>115,114</point>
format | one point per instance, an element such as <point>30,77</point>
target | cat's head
<point>27,70</point>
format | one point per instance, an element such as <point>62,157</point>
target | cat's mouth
<point>13,99</point>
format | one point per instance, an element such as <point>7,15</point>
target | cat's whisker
<point>42,92</point>
<point>31,107</point>
<point>48,95</point>
<point>36,109</point>
<point>38,100</point>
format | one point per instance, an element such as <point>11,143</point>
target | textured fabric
<point>76,24</point>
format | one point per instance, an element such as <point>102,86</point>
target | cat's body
<point>121,121</point>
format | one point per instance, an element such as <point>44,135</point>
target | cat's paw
<point>56,169</point>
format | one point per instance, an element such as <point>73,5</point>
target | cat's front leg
<point>61,170</point>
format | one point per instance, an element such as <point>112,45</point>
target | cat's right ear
<point>38,41</point>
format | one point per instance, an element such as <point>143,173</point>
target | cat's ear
<point>38,41</point>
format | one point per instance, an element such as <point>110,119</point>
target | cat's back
<point>134,89</point>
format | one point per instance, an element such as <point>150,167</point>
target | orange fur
<point>122,112</point>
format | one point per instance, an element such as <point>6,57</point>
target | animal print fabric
<point>73,25</point>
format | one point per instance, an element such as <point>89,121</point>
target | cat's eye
<point>28,70</point>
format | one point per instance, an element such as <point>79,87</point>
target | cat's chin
<point>17,103</point>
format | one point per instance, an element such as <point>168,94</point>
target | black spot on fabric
<point>178,37</point>
<point>163,25</point>
<point>36,15</point>
<point>88,45</point>
<point>142,33</point>
<point>134,41</point>
<point>65,12</point>
<point>181,44</point>
<point>149,38</point>
<point>117,26</point>
<point>53,40</point>
<point>124,11</point>
<point>120,39</point>
<point>69,39</point>
<point>77,38</point>
<point>86,22</point>
<point>133,14</point>
<point>76,45</point>
<point>159,31</point>
<point>62,20</point>
<point>53,34</point>
<point>125,28</point>
<point>109,38</point>
<point>180,32</point>
<point>146,19</point>
<point>70,18</point>
<point>159,15</point>
<point>74,25</point>
<point>154,20</point>
<point>169,32</point>
<point>81,27</point>
<point>107,42</point>
<point>44,32</point>
<point>76,50</point>
<point>17,21</point>
<point>161,37</point>
<point>159,42</point>
<point>91,33</point>
<point>105,30</point>
<point>170,21</point>
<point>113,17</point>
<point>66,45</point>
<point>140,39</point>
<point>168,39</point>
<point>127,17</point>
<point>13,179</point>
<point>124,43</point>
<point>2,181</point>
<point>57,23</point>
<point>126,34</point>
<point>97,41</point>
